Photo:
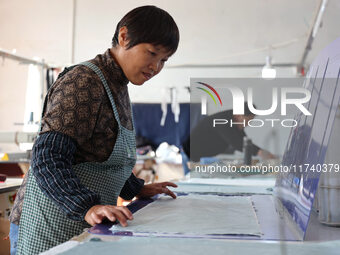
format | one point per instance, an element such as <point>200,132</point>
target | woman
<point>83,158</point>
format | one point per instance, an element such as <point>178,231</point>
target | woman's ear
<point>123,37</point>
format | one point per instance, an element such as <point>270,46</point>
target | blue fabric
<point>147,118</point>
<point>13,237</point>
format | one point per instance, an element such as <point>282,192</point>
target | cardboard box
<point>4,231</point>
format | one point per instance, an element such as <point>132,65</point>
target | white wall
<point>33,28</point>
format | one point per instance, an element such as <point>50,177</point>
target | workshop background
<point>218,39</point>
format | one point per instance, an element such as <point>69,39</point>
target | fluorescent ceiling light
<point>268,71</point>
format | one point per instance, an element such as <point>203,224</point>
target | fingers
<point>97,213</point>
<point>109,214</point>
<point>90,221</point>
<point>125,211</point>
<point>93,219</point>
<point>169,184</point>
<point>165,190</point>
<point>96,218</point>
<point>150,190</point>
<point>168,192</point>
<point>120,217</point>
<point>162,188</point>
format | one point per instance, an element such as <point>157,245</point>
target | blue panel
<point>147,119</point>
<point>308,141</point>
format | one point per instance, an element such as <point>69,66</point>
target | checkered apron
<point>42,224</point>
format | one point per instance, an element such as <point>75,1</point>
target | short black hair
<point>149,24</point>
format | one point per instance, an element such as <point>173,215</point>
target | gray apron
<point>42,224</point>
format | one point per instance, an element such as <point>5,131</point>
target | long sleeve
<point>52,168</point>
<point>132,187</point>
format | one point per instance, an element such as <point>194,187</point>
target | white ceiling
<point>223,32</point>
<point>212,32</point>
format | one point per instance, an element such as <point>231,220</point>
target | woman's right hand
<point>97,213</point>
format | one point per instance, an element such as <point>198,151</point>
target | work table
<point>318,237</point>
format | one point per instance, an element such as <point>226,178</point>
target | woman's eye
<point>152,53</point>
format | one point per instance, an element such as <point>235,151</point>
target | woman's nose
<point>155,66</point>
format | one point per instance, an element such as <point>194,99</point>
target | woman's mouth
<point>147,75</point>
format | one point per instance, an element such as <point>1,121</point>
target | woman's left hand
<point>150,190</point>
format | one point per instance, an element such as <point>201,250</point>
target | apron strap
<point>107,89</point>
<point>46,96</point>
<point>106,86</point>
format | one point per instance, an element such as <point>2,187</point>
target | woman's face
<point>143,61</point>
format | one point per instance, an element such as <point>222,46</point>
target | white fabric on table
<point>196,214</point>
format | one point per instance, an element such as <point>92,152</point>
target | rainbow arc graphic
<point>209,92</point>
